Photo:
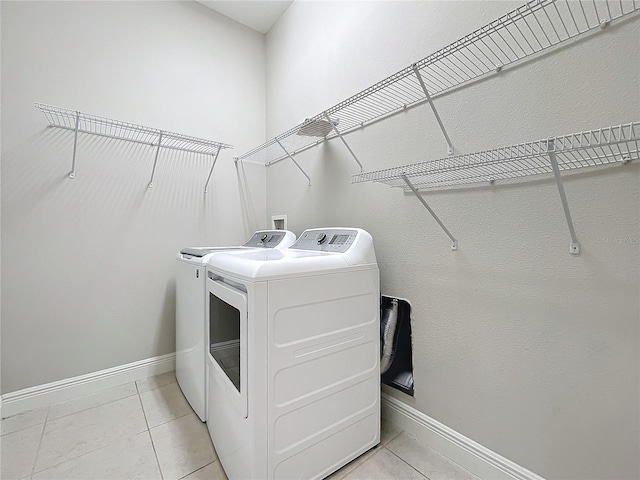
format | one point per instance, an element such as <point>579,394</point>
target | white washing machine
<point>191,326</point>
<point>294,360</point>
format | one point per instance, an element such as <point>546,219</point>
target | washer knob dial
<point>263,238</point>
<point>322,238</point>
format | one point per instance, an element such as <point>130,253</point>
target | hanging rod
<point>521,34</point>
<point>80,122</point>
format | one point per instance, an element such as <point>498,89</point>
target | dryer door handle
<point>226,283</point>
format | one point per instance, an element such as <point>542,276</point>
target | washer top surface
<point>262,239</point>
<point>320,250</point>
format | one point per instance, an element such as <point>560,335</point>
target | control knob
<point>322,238</point>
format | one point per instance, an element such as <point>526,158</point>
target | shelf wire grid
<point>95,125</point>
<point>591,148</point>
<point>524,32</point>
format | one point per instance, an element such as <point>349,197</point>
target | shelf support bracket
<point>155,161</point>
<point>72,174</point>
<point>215,159</point>
<point>574,246</point>
<point>454,242</point>
<point>293,160</point>
<point>433,108</point>
<point>335,129</point>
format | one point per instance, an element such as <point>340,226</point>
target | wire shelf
<point>93,124</point>
<point>522,33</point>
<point>79,122</point>
<point>578,150</point>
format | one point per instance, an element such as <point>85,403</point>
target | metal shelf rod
<point>454,242</point>
<point>72,174</point>
<point>155,161</point>
<point>574,247</point>
<point>335,129</point>
<point>433,108</point>
<point>294,161</point>
<point>215,159</point>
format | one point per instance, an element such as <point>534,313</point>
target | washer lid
<point>199,252</point>
<point>263,239</point>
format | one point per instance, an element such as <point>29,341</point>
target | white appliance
<point>191,325</point>
<point>294,359</point>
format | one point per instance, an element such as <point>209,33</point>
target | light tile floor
<point>147,430</point>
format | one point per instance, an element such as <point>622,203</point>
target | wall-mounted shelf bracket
<point>72,174</point>
<point>155,160</point>
<point>574,246</point>
<point>215,159</point>
<point>335,129</point>
<point>433,108</point>
<point>454,242</point>
<point>293,160</point>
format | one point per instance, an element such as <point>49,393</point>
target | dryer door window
<point>224,333</point>
<point>227,325</point>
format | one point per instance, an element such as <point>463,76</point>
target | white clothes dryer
<point>191,327</point>
<point>294,359</point>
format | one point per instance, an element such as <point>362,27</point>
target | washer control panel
<point>337,240</point>
<point>265,239</point>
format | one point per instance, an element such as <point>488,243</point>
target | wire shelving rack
<point>86,123</point>
<point>523,33</point>
<point>592,148</point>
<point>578,150</point>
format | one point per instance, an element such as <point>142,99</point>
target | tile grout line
<point>153,445</point>
<point>382,447</point>
<point>47,419</point>
<point>23,428</point>
<point>403,460</point>
<point>69,414</point>
<point>84,454</point>
<point>44,426</point>
<point>169,421</point>
<point>198,469</point>
<point>175,380</point>
<point>79,456</point>
<point>392,438</point>
<point>450,462</point>
<point>95,406</point>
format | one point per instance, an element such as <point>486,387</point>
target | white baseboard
<point>42,396</point>
<point>472,456</point>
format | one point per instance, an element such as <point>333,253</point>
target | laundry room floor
<point>147,430</point>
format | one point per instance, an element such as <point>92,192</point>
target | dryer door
<point>227,314</point>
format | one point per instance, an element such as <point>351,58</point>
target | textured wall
<point>88,264</point>
<point>519,345</point>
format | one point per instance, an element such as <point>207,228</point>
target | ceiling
<point>260,15</point>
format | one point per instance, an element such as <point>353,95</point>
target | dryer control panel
<point>337,240</point>
<point>265,239</point>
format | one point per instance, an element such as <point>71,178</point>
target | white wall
<point>518,345</point>
<point>88,264</point>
